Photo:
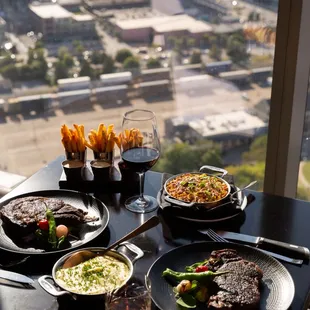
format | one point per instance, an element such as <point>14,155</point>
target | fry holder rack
<point>81,156</point>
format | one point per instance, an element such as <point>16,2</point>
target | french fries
<point>129,139</point>
<point>103,139</point>
<point>73,140</point>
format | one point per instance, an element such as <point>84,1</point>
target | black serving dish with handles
<point>57,290</point>
<point>205,205</point>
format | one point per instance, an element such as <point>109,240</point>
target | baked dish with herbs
<point>197,187</point>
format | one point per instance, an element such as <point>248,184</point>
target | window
<point>204,67</point>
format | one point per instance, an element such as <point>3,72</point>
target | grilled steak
<point>21,215</point>
<point>238,289</point>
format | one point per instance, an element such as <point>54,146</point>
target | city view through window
<point>203,66</point>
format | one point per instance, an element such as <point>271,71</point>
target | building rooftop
<point>234,74</point>
<point>229,123</point>
<point>73,80</point>
<point>69,2</point>
<point>227,28</point>
<point>82,17</point>
<point>163,24</point>
<point>49,10</point>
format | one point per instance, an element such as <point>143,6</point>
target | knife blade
<point>15,277</point>
<point>282,257</point>
<point>268,244</point>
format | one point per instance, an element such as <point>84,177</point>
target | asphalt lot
<point>28,144</point>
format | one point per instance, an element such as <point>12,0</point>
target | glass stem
<point>141,178</point>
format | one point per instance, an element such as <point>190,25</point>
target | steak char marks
<point>238,289</point>
<point>21,215</point>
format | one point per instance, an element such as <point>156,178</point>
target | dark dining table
<point>270,216</point>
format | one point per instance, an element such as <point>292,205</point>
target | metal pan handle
<point>133,248</point>
<point>179,203</point>
<point>51,288</point>
<point>215,169</point>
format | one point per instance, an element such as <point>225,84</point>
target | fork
<point>214,236</point>
<point>217,238</point>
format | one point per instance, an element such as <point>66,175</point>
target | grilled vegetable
<point>52,238</point>
<point>184,286</point>
<point>43,224</point>
<point>198,276</point>
<point>193,267</point>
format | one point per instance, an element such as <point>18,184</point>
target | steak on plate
<point>21,215</point>
<point>238,289</point>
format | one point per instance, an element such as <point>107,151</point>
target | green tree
<point>65,56</point>
<point>78,48</point>
<point>215,52</point>
<point>98,58</point>
<point>302,193</point>
<point>122,55</point>
<point>10,72</point>
<point>153,63</point>
<point>131,63</point>
<point>237,49</point>
<point>62,52</point>
<point>76,43</point>
<point>182,157</point>
<point>86,69</point>
<point>61,70</point>
<point>31,52</point>
<point>39,54</point>
<point>7,60</point>
<point>195,57</point>
<point>68,60</point>
<point>108,65</point>
<point>39,44</point>
<point>38,69</point>
<point>257,151</point>
<point>247,173</point>
<point>191,42</point>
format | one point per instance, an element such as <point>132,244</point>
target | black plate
<point>86,232</point>
<point>277,289</point>
<point>224,213</point>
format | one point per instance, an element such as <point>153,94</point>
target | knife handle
<point>274,245</point>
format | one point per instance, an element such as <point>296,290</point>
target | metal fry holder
<point>105,156</point>
<point>81,156</point>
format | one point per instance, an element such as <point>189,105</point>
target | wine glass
<point>140,150</point>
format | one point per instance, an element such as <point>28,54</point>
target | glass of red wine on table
<point>140,150</point>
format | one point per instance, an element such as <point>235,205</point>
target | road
<point>111,44</point>
<point>28,144</point>
<point>20,46</point>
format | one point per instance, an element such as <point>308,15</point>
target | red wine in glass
<point>140,159</point>
<point>140,150</point>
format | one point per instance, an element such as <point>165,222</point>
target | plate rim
<point>98,232</point>
<point>227,245</point>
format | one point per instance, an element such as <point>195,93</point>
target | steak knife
<point>268,244</point>
<point>15,277</point>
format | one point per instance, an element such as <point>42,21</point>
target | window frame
<point>288,98</point>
